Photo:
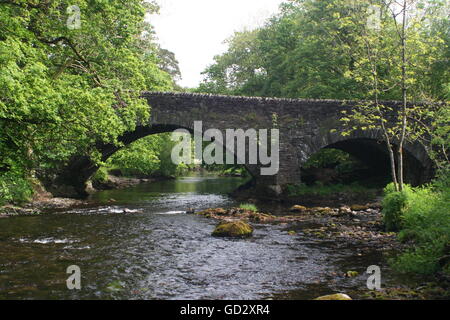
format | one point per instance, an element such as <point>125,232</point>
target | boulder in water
<point>337,296</point>
<point>234,229</point>
<point>298,209</point>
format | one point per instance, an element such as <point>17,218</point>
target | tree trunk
<point>404,95</point>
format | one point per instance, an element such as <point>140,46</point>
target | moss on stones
<point>234,229</point>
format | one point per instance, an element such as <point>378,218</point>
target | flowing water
<point>154,250</point>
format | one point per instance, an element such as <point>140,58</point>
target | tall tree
<point>71,73</point>
<point>395,57</point>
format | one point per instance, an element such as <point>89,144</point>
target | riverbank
<point>112,182</point>
<point>327,196</point>
<point>359,227</point>
<point>38,206</point>
<point>44,201</point>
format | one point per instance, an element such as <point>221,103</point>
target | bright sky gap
<point>195,30</point>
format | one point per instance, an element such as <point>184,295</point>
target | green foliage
<point>249,207</point>
<point>326,158</point>
<point>14,187</point>
<point>423,260</point>
<point>291,56</point>
<point>148,156</point>
<point>439,131</point>
<point>318,49</point>
<point>395,60</point>
<point>426,221</point>
<point>395,203</point>
<point>167,167</point>
<point>138,158</point>
<point>423,216</point>
<point>101,175</point>
<point>62,91</point>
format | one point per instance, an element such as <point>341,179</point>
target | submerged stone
<point>234,229</point>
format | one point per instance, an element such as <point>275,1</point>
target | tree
<point>238,69</point>
<point>395,58</point>
<point>169,63</point>
<point>292,55</point>
<point>62,89</point>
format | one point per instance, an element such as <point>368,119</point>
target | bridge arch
<point>370,148</point>
<point>145,131</point>
<point>305,128</point>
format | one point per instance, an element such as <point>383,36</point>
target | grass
<point>249,207</point>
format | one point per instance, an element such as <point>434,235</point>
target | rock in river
<point>298,209</point>
<point>235,229</point>
<point>337,296</point>
<point>357,207</point>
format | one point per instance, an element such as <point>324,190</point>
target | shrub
<point>394,206</point>
<point>249,207</point>
<point>101,175</point>
<point>14,187</point>
<point>425,219</point>
<point>421,260</point>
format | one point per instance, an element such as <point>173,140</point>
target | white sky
<point>196,29</point>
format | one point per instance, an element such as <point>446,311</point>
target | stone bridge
<point>305,128</point>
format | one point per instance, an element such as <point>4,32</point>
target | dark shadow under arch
<point>374,154</point>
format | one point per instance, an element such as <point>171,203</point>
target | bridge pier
<point>288,173</point>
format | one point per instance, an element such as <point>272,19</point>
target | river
<point>160,252</point>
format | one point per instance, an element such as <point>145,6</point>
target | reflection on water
<point>150,249</point>
<point>175,192</point>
